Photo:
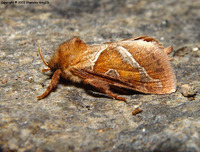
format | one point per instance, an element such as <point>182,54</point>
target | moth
<point>141,64</point>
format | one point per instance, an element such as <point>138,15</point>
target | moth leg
<point>103,87</point>
<point>168,50</point>
<point>53,84</point>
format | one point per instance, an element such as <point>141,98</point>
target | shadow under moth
<point>141,64</point>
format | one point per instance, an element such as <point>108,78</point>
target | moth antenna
<point>42,56</point>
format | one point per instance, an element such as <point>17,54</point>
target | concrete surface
<point>71,118</point>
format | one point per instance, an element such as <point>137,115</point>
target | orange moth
<point>140,64</point>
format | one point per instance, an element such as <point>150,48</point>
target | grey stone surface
<point>70,118</point>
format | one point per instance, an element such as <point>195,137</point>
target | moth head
<point>65,55</point>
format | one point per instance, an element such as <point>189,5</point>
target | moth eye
<point>158,62</point>
<point>153,56</point>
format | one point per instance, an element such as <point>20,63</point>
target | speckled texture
<point>70,118</point>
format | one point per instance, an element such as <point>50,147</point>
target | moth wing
<point>167,50</point>
<point>140,65</point>
<point>144,38</point>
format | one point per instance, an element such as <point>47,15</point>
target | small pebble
<point>195,49</point>
<point>4,80</point>
<point>23,42</point>
<point>30,79</point>
<point>188,90</point>
<point>137,111</point>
